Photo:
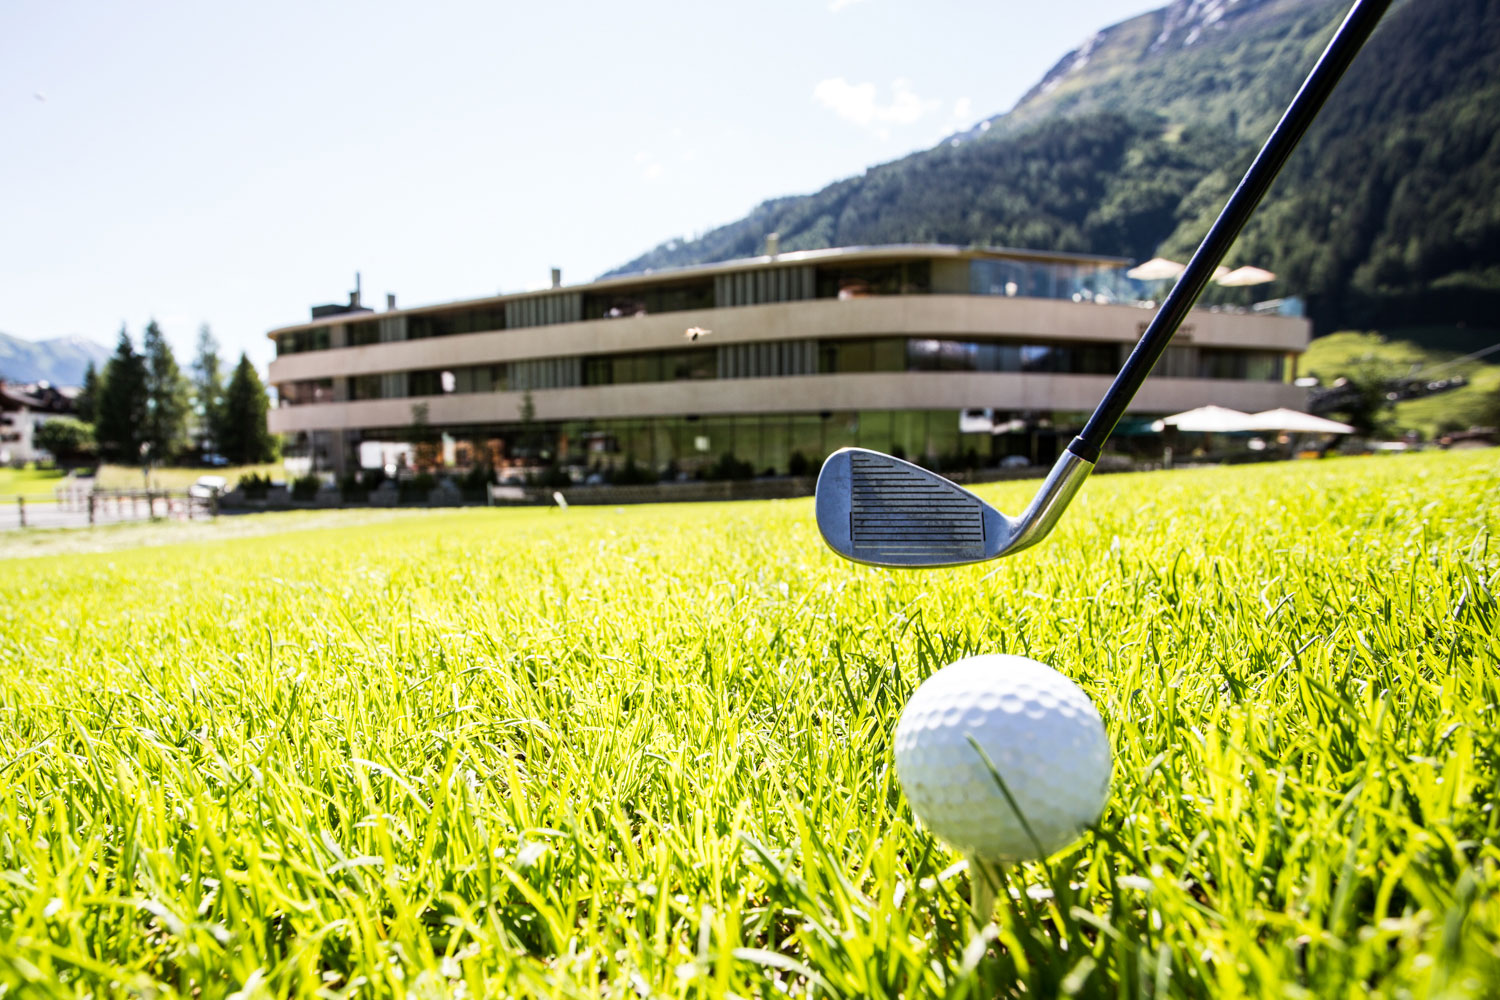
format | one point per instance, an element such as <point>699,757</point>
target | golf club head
<point>882,511</point>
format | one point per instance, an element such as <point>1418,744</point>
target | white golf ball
<point>1041,733</point>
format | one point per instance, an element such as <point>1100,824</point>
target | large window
<point>793,358</point>
<point>366,332</point>
<point>1253,366</point>
<point>862,354</point>
<point>316,339</point>
<point>913,277</point>
<point>314,390</point>
<point>446,324</point>
<point>965,356</point>
<point>649,300</point>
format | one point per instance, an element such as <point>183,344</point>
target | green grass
<point>30,483</point>
<point>1458,409</point>
<point>127,477</point>
<point>647,752</point>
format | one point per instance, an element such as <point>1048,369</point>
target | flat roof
<point>926,251</point>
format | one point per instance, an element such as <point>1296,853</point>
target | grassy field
<point>126,477</point>
<point>33,484</point>
<point>647,751</point>
<point>1471,405</point>
<point>41,484</point>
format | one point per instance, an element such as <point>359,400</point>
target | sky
<point>235,164</point>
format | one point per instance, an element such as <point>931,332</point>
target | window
<point>316,339</point>
<point>901,278</point>
<point>1038,358</point>
<point>364,387</point>
<point>317,390</point>
<point>679,365</point>
<point>446,324</point>
<point>424,383</point>
<point>479,378</point>
<point>367,332</point>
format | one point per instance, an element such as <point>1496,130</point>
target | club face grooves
<point>883,511</point>
<point>897,514</point>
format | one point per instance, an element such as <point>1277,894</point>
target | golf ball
<point>1040,732</point>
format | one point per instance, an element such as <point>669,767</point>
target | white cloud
<point>962,108</point>
<point>858,103</point>
<point>651,167</point>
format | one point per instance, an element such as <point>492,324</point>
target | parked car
<point>208,487</point>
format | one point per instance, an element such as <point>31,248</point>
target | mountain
<point>60,361</point>
<point>1131,143</point>
<point>1234,62</point>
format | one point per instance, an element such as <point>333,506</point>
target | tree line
<point>143,408</point>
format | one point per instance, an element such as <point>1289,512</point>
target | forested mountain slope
<point>1132,142</point>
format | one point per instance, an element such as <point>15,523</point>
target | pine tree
<point>88,397</point>
<point>120,412</point>
<point>166,397</point>
<point>244,439</point>
<point>208,391</point>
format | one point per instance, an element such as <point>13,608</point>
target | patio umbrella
<point>1209,420</point>
<point>1156,269</point>
<point>1296,421</point>
<point>1243,276</point>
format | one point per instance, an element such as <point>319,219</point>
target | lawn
<point>31,483</point>
<point>647,751</point>
<point>1457,409</point>
<point>126,477</point>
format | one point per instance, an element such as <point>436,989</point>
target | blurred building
<point>949,356</point>
<point>24,408</point>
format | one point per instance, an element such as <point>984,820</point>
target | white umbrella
<point>1156,269</point>
<point>1247,275</point>
<point>1294,420</point>
<point>1209,420</point>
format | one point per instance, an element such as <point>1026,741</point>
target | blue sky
<point>236,164</point>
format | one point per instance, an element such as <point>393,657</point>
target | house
<point>24,408</point>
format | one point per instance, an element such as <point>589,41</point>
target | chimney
<point>354,295</point>
<point>557,277</point>
<point>390,301</point>
<point>773,244</point>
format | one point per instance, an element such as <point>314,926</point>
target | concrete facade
<point>943,311</point>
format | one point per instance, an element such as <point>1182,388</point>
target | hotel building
<point>948,356</point>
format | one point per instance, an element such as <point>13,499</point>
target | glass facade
<point>783,359</point>
<point>1080,281</point>
<point>771,444</point>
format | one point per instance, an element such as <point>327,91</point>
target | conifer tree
<point>208,391</point>
<point>120,413</point>
<point>244,439</point>
<point>88,397</point>
<point>166,397</point>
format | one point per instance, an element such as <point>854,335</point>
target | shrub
<point>798,465</point>
<point>254,487</point>
<point>729,467</point>
<point>550,477</point>
<point>631,474</point>
<point>415,489</point>
<point>351,490</point>
<point>305,487</point>
<point>474,482</point>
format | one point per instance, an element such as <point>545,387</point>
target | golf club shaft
<point>1336,58</point>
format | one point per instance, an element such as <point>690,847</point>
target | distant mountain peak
<point>60,360</point>
<point>1185,21</point>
